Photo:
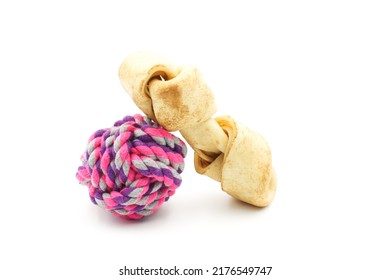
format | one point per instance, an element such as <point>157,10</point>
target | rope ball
<point>132,168</point>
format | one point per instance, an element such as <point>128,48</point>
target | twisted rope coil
<point>133,167</point>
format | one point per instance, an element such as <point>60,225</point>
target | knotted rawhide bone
<point>225,150</point>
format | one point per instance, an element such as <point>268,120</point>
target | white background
<point>312,76</point>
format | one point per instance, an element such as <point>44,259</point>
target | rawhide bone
<point>178,98</point>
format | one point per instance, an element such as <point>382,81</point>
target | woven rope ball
<point>133,167</point>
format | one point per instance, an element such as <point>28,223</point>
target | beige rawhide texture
<point>179,99</point>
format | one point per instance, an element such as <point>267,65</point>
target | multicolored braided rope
<point>133,167</point>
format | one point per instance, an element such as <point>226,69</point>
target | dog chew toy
<point>178,98</point>
<point>133,167</point>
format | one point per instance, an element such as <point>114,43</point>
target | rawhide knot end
<point>132,168</point>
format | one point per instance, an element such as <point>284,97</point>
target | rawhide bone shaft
<point>225,150</point>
